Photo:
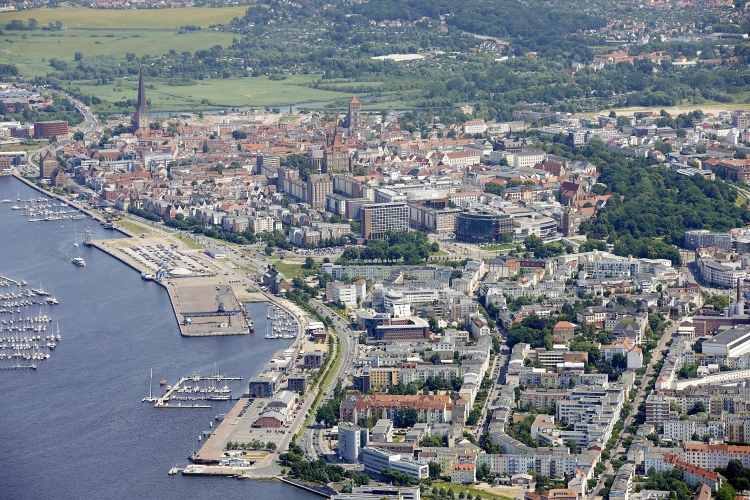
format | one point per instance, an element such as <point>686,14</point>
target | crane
<point>249,95</point>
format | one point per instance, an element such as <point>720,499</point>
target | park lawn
<point>32,54</point>
<point>210,93</point>
<point>79,17</point>
<point>470,489</point>
<point>741,200</point>
<point>291,271</point>
<point>439,253</point>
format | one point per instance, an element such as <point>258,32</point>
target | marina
<point>25,334</point>
<point>98,318</point>
<point>283,324</point>
<point>47,209</point>
<point>190,389</point>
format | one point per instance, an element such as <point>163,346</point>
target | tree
<point>78,136</point>
<point>483,471</point>
<point>205,146</point>
<point>239,134</point>
<point>271,445</point>
<point>726,492</point>
<point>77,56</point>
<point>573,446</point>
<point>406,417</point>
<point>718,301</point>
<point>351,253</point>
<point>434,468</point>
<point>698,407</point>
<point>309,263</point>
<point>435,441</point>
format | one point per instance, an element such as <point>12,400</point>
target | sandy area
<point>674,111</point>
<point>506,491</point>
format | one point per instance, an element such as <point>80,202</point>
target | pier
<point>18,367</point>
<point>163,401</point>
<point>12,281</point>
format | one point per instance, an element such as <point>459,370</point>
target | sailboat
<point>163,380</point>
<point>75,241</point>
<point>270,335</point>
<point>150,397</point>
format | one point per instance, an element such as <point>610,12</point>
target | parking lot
<point>237,427</point>
<point>166,259</point>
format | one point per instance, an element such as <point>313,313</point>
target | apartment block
<point>380,218</point>
<point>711,456</point>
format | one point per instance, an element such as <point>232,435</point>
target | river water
<point>76,426</point>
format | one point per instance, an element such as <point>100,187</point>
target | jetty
<point>18,367</point>
<point>163,401</point>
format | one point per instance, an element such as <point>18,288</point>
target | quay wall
<point>303,486</point>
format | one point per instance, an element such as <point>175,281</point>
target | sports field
<point>80,17</point>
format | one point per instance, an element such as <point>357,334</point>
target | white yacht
<point>78,261</point>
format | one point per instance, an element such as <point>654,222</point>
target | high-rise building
<point>380,218</point>
<point>318,187</point>
<point>354,119</point>
<point>269,162</point>
<point>140,118</point>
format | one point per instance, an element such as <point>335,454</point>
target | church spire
<point>142,103</point>
<point>140,118</point>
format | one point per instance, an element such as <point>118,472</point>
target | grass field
<point>79,17</point>
<point>218,92</point>
<point>289,270</point>
<point>31,51</point>
<point>741,200</point>
<point>133,227</point>
<point>191,243</point>
<point>155,32</point>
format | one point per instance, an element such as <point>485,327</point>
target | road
<point>640,397</point>
<point>498,372</point>
<point>312,440</point>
